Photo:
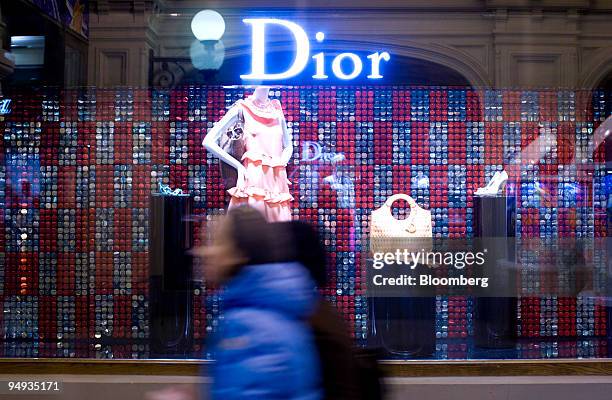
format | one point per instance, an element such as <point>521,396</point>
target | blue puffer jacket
<point>265,349</point>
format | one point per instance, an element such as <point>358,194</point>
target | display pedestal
<point>403,326</point>
<point>494,217</point>
<point>495,318</point>
<point>170,276</point>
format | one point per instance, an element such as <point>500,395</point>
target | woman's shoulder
<point>277,105</point>
<point>265,321</point>
<point>260,320</point>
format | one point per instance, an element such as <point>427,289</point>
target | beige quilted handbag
<point>387,234</point>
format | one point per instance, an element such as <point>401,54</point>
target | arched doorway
<point>598,72</point>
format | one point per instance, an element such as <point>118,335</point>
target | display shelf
<point>567,367</point>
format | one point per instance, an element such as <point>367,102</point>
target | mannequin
<point>262,176</point>
<point>599,136</point>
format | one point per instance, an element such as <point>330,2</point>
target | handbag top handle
<point>400,196</point>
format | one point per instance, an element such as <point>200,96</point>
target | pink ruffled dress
<point>266,186</point>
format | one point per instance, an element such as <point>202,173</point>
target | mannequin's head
<point>261,92</point>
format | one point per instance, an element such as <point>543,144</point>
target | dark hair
<point>306,248</point>
<point>261,242</point>
<point>253,236</point>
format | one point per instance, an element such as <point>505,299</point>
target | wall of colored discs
<point>77,168</point>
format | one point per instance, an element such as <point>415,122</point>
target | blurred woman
<point>347,373</point>
<point>264,349</point>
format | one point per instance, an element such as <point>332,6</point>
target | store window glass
<point>456,172</point>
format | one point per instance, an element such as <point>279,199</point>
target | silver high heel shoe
<point>495,185</point>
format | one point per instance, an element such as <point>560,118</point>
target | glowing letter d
<point>258,58</point>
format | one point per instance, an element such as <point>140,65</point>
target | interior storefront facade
<point>104,118</point>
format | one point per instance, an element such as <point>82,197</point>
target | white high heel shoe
<point>494,186</point>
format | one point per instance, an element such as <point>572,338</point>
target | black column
<point>495,318</point>
<point>171,276</point>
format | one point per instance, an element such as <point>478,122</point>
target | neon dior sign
<point>344,66</point>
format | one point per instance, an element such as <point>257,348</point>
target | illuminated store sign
<point>345,66</point>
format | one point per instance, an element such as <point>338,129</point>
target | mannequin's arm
<point>287,143</point>
<point>583,154</point>
<point>600,135</point>
<point>211,140</point>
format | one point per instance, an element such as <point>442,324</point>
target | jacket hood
<point>283,287</point>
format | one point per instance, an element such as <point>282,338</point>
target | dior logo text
<point>344,66</point>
